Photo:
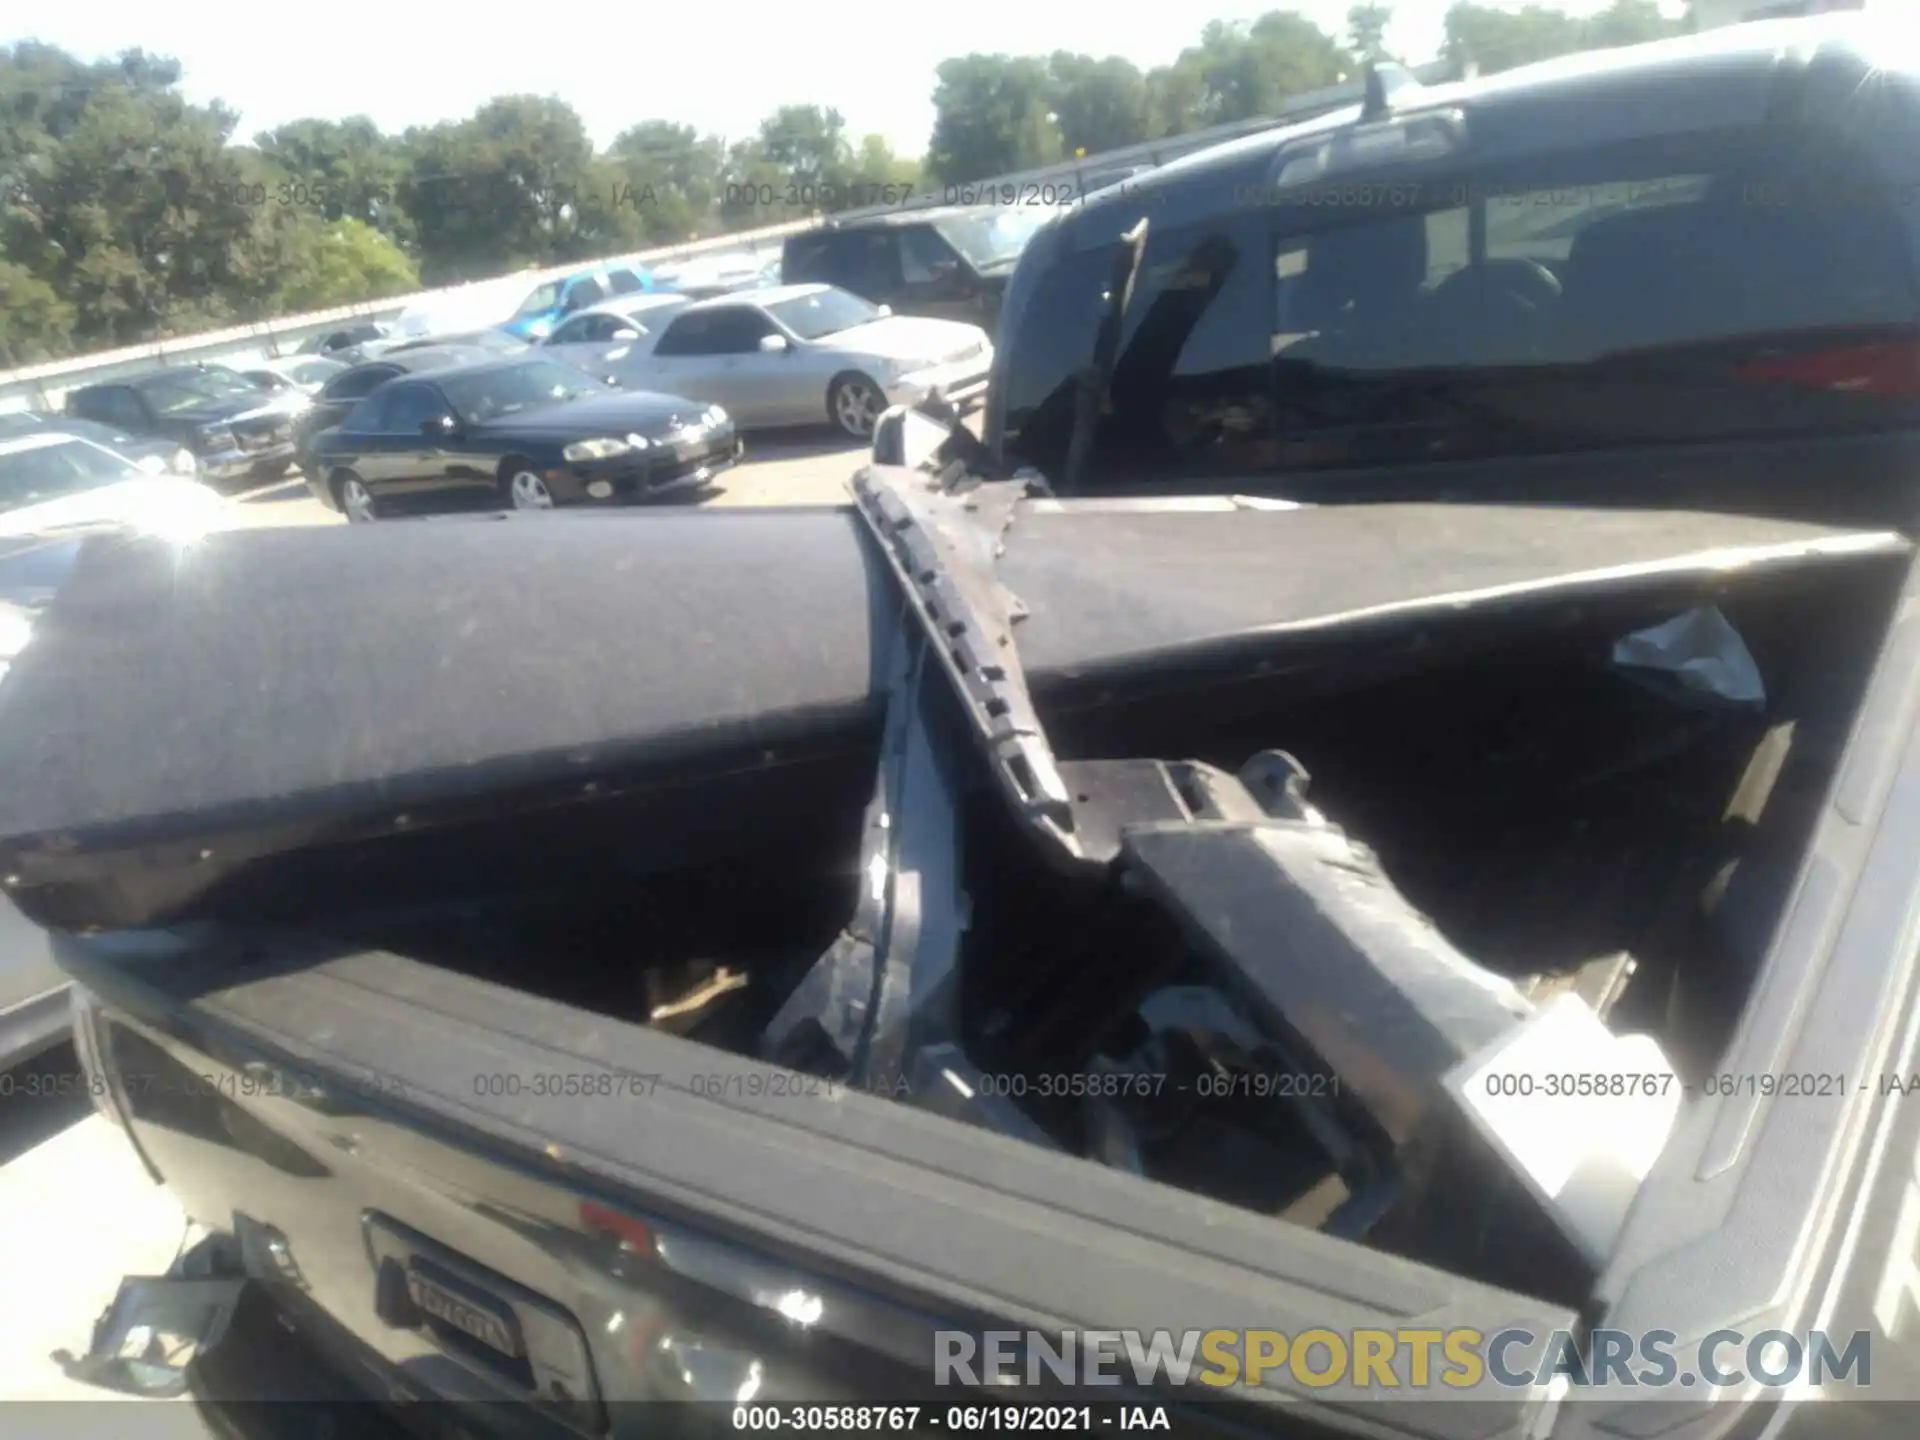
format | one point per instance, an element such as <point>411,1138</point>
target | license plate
<point>455,1305</point>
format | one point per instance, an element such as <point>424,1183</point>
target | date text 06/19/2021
<point>1792,1085</point>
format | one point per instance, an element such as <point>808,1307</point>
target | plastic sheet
<point>1701,651</point>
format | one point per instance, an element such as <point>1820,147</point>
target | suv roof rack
<point>1389,85</point>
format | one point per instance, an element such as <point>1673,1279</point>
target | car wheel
<point>526,488</point>
<point>356,500</point>
<point>854,404</point>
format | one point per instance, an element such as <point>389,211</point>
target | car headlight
<point>218,437</point>
<point>184,462</point>
<point>713,416</point>
<point>603,449</point>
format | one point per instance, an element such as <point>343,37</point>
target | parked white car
<point>55,483</point>
<point>803,354</point>
<point>597,339</point>
<point>303,374</point>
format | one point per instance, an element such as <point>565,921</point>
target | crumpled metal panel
<point>1305,929</point>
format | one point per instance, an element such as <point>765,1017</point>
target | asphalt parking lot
<point>78,1210</point>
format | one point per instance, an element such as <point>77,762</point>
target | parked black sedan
<point>340,394</point>
<point>529,434</point>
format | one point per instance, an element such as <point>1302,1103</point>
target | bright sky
<point>721,69</point>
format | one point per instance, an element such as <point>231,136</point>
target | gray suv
<point>1679,270</point>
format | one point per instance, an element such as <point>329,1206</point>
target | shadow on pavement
<point>294,487</point>
<point>39,1099</point>
<point>806,442</point>
<point>265,1384</point>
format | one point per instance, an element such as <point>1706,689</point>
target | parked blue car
<point>553,300</point>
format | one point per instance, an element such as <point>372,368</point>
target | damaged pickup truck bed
<point>703,956</point>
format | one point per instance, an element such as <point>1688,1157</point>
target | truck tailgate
<point>327,1094</point>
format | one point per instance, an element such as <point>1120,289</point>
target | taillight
<point>632,1234</point>
<point>1890,369</point>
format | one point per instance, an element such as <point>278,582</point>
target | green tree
<point>992,114</point>
<point>1367,31</point>
<point>1498,39</point>
<point>35,323</point>
<point>1102,104</point>
<point>1176,99</point>
<point>803,162</point>
<point>1248,71</point>
<point>340,263</point>
<point>123,199</point>
<point>672,177</point>
<point>1630,22</point>
<point>807,144</point>
<point>342,169</point>
<point>506,188</point>
<point>881,174</point>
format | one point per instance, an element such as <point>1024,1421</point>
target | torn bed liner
<point>294,687</point>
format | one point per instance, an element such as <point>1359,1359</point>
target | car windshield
<point>652,308</point>
<point>179,390</point>
<point>823,312</point>
<point>541,300</point>
<point>991,240</point>
<point>484,395</point>
<point>20,422</point>
<point>16,423</point>
<point>48,472</point>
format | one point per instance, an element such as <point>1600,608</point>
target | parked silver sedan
<point>802,354</point>
<point>596,339</point>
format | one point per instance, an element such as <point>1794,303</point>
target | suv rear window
<point>1697,288</point>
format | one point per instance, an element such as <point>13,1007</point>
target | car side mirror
<point>626,334</point>
<point>773,345</point>
<point>439,428</point>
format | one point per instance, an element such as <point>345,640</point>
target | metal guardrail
<point>44,386</point>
